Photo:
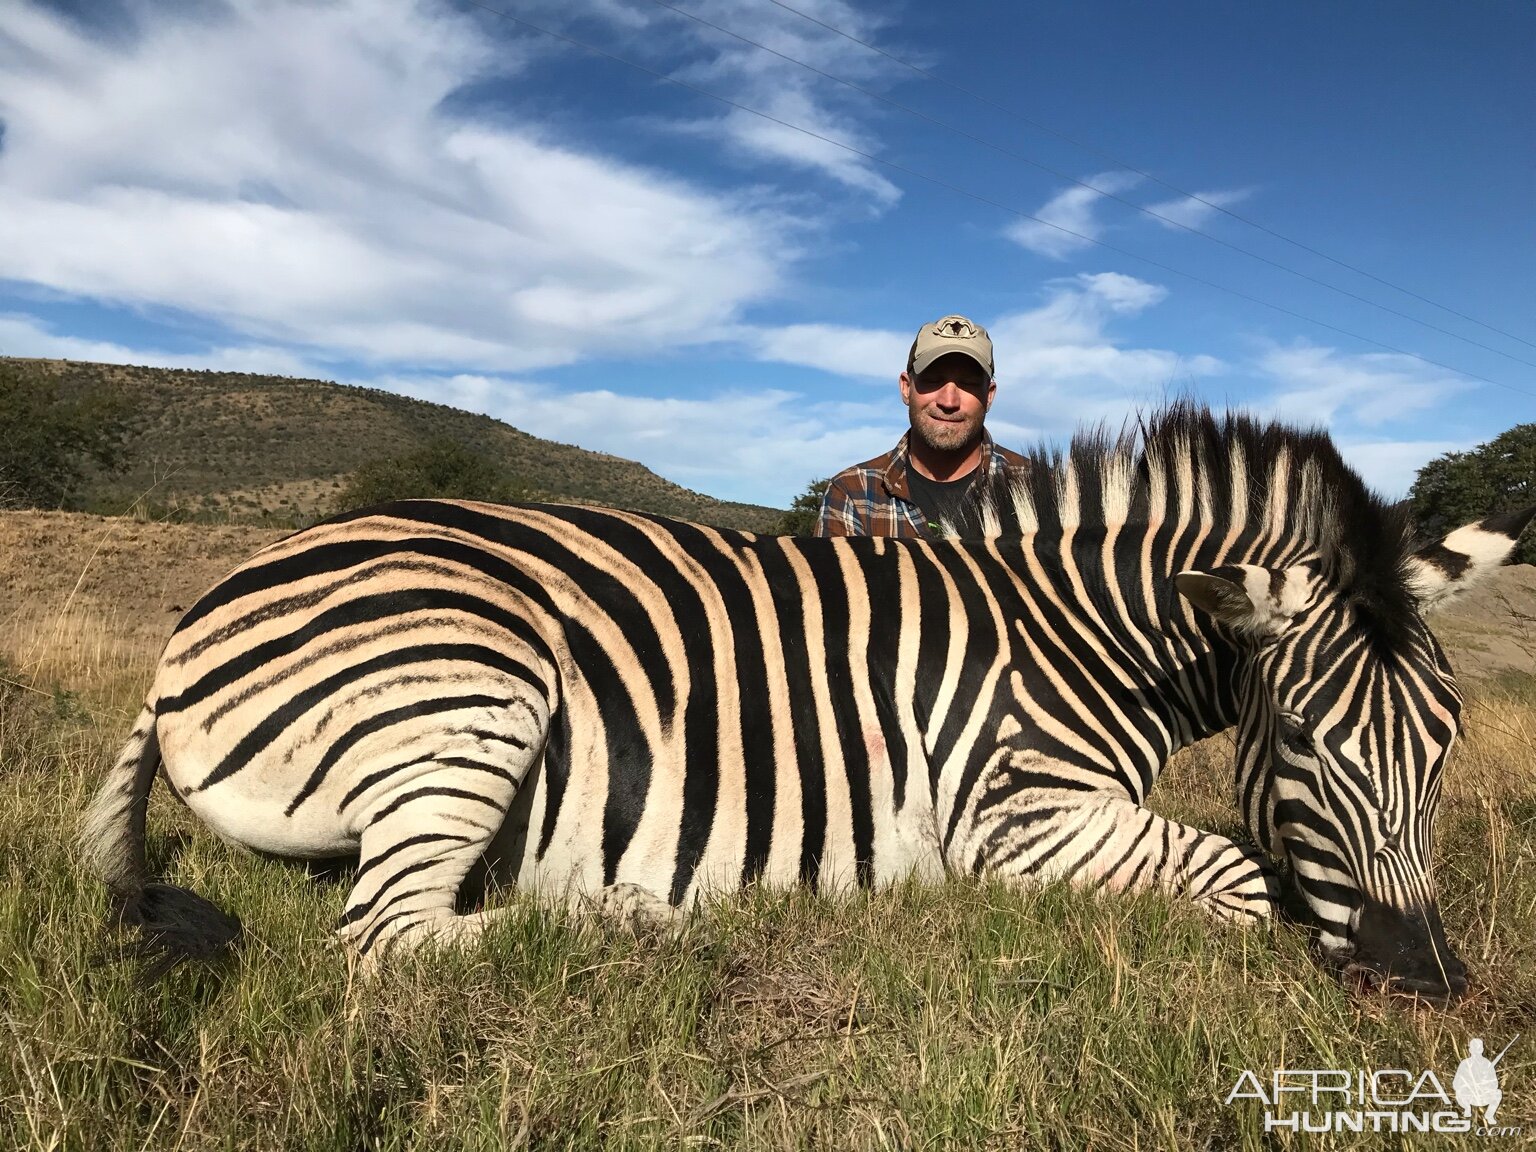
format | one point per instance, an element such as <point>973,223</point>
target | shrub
<point>1499,476</point>
<point>801,518</point>
<point>46,440</point>
<point>444,469</point>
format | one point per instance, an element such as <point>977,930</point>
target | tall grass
<point>82,650</point>
<point>963,1015</point>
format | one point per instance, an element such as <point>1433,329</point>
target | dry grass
<point>101,654</point>
<point>962,1015</point>
<point>87,602</point>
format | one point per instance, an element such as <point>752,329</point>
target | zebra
<point>626,711</point>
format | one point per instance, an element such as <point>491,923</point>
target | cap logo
<point>952,333</point>
<point>956,328</point>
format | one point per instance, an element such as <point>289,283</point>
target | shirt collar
<point>895,475</point>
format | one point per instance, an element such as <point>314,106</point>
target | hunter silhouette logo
<point>1380,1099</point>
<point>1477,1081</point>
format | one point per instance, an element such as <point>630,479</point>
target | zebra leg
<point>1105,839</point>
<point>415,854</point>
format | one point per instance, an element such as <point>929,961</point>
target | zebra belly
<point>249,808</point>
<point>310,793</point>
<point>572,862</point>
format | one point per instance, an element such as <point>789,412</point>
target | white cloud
<point>1390,466</point>
<point>22,335</point>
<point>781,88</point>
<point>1321,385</point>
<point>1194,211</point>
<point>769,141</point>
<point>1065,339</point>
<point>1073,210</point>
<point>288,170</point>
<point>1060,365</point>
<point>756,446</point>
<point>766,446</point>
<point>875,353</point>
<point>1124,295</point>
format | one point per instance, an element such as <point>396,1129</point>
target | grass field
<point>957,1016</point>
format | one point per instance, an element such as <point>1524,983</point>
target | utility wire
<point>1152,212</point>
<point>980,199</point>
<point>1099,152</point>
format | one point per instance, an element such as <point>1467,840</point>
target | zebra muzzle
<point>1404,952</point>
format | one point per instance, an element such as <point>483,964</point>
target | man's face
<point>948,401</point>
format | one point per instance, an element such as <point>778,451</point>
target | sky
<point>701,234</point>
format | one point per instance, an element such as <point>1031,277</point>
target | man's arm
<point>840,514</point>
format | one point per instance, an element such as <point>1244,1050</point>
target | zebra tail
<point>173,924</point>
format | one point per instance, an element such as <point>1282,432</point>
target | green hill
<point>232,445</point>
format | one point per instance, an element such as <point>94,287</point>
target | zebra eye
<point>1294,734</point>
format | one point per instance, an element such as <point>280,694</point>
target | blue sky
<point>437,200</point>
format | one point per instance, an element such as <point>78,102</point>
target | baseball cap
<point>946,335</point>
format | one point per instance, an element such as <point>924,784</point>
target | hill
<point>248,448</point>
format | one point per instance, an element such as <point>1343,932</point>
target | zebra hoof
<point>635,908</point>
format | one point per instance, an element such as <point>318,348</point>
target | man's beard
<point>942,436</point>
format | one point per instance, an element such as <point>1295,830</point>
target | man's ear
<point>906,389</point>
<point>1441,571</point>
<point>1247,598</point>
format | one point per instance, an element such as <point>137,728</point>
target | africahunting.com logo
<point>1380,1099</point>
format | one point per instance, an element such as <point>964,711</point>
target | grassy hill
<point>247,448</point>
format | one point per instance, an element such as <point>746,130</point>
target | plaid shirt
<point>873,499</point>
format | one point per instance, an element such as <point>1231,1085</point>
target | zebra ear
<point>1445,569</point>
<point>1248,598</point>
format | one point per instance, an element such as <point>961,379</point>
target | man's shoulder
<point>1011,460</point>
<point>860,474</point>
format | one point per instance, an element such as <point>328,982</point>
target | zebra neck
<point>1106,603</point>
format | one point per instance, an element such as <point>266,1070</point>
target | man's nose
<point>949,395</point>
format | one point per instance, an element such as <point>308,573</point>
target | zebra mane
<point>1257,481</point>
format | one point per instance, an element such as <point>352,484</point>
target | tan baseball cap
<point>946,335</point>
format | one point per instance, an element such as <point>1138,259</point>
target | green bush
<point>1459,487</point>
<point>801,518</point>
<point>47,438</point>
<point>444,469</point>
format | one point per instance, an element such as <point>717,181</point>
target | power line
<point>963,133</point>
<point>955,188</point>
<point>1086,147</point>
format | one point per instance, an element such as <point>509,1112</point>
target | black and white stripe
<point>635,710</point>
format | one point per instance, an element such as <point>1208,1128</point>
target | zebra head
<point>1347,712</point>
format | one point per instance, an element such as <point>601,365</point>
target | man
<point>945,460</point>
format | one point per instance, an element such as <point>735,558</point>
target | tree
<point>47,439</point>
<point>800,520</point>
<point>1459,487</point>
<point>443,469</point>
